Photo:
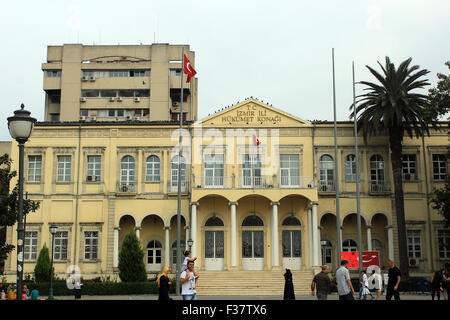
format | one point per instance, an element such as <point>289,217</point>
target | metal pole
<point>179,180</point>
<point>20,231</point>
<point>336,169</point>
<point>430,229</point>
<point>358,207</point>
<point>50,292</point>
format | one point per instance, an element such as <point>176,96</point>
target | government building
<point>258,189</point>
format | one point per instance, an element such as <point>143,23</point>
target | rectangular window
<point>60,249</point>
<point>251,171</point>
<point>90,93</point>
<point>126,93</point>
<point>175,72</point>
<point>64,168</point>
<point>289,170</point>
<point>30,246</point>
<point>108,93</point>
<point>444,244</point>
<point>90,245</point>
<point>439,167</point>
<point>144,93</point>
<point>414,242</point>
<point>94,168</point>
<point>54,73</point>
<point>409,167</point>
<point>214,170</point>
<point>34,168</point>
<point>350,168</point>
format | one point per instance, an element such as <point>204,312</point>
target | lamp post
<point>20,127</point>
<point>53,232</point>
<point>190,243</point>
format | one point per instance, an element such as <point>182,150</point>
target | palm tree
<point>391,108</point>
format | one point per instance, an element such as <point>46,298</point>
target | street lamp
<point>20,127</point>
<point>53,232</point>
<point>190,243</point>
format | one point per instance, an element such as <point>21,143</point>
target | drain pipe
<point>76,196</point>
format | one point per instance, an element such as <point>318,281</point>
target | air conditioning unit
<point>83,99</point>
<point>119,99</point>
<point>93,118</point>
<point>124,188</point>
<point>90,178</point>
<point>175,104</point>
<point>111,99</point>
<point>84,78</point>
<point>92,78</point>
<point>82,118</point>
<point>129,117</point>
<point>413,262</point>
<point>137,99</point>
<point>310,185</point>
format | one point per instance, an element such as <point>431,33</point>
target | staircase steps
<point>251,282</point>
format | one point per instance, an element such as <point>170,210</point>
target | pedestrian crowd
<point>10,292</point>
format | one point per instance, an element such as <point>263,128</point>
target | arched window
<point>252,221</point>
<point>177,160</point>
<point>214,222</point>
<point>349,245</point>
<point>326,173</point>
<point>291,221</point>
<point>350,168</point>
<point>153,169</point>
<point>127,171</point>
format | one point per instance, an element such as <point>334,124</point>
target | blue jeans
<point>190,296</point>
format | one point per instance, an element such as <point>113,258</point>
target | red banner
<point>370,258</point>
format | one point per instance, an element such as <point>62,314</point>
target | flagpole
<point>358,206</point>
<point>179,180</point>
<point>336,173</point>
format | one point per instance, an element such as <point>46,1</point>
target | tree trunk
<point>395,141</point>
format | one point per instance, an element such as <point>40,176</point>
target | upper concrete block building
<point>258,189</point>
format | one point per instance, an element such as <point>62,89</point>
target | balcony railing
<point>126,187</point>
<point>327,186</point>
<point>252,182</point>
<point>379,187</point>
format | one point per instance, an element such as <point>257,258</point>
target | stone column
<point>167,246</point>
<point>116,247</point>
<point>186,246</point>
<point>194,206</point>
<point>274,233</point>
<point>315,237</point>
<point>138,232</point>
<point>369,238</point>
<point>310,246</point>
<point>233,235</point>
<point>390,242</point>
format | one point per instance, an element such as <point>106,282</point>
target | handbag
<point>365,291</point>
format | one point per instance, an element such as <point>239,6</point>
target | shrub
<point>131,260</point>
<point>42,269</point>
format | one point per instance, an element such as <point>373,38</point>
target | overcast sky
<point>277,51</point>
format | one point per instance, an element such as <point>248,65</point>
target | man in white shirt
<point>344,284</point>
<point>188,279</point>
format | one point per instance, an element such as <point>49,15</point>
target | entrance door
<point>292,249</point>
<point>154,251</point>
<point>253,250</point>
<point>214,250</point>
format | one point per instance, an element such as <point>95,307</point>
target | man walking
<point>321,283</point>
<point>188,279</point>
<point>394,276</point>
<point>344,283</point>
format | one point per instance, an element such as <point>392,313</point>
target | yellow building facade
<point>257,193</point>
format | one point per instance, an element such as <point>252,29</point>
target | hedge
<point>100,288</point>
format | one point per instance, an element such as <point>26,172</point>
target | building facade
<point>258,191</point>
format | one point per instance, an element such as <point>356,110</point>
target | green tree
<point>391,108</point>
<point>131,260</point>
<point>42,269</point>
<point>439,97</point>
<point>9,205</point>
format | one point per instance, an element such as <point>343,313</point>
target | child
<point>34,293</point>
<point>187,257</point>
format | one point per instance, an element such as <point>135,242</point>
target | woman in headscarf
<point>164,284</point>
<point>288,286</point>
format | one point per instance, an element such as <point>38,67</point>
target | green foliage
<point>9,203</point>
<point>441,198</point>
<point>131,260</point>
<point>42,269</point>
<point>439,97</point>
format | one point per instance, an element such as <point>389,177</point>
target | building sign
<point>251,114</point>
<point>370,258</point>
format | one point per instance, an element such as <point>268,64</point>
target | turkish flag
<point>188,69</point>
<point>256,141</point>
